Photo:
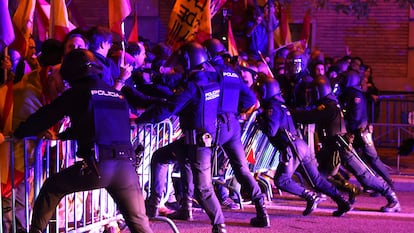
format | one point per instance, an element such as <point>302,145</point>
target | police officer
<point>354,103</point>
<point>196,107</point>
<point>331,130</point>
<point>173,153</point>
<point>100,125</point>
<point>295,84</point>
<point>277,123</point>
<point>234,93</point>
<point>296,90</point>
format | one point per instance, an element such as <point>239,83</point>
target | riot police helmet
<point>322,87</point>
<point>214,48</point>
<point>267,87</point>
<point>79,64</point>
<point>296,62</point>
<point>352,79</point>
<point>192,55</point>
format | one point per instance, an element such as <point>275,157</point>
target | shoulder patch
<point>357,100</point>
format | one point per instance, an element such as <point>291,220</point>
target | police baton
<point>296,153</point>
<point>215,145</point>
<point>343,143</point>
<point>91,160</point>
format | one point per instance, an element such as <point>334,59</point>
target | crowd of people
<point>314,110</point>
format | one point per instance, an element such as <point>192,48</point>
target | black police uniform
<point>276,122</point>
<point>100,123</point>
<point>234,94</point>
<point>354,103</point>
<point>329,125</point>
<point>196,107</point>
<point>173,153</point>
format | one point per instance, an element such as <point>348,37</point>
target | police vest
<point>230,90</point>
<point>110,116</point>
<point>201,114</point>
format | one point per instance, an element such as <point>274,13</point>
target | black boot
<point>343,206</point>
<point>393,204</point>
<point>219,228</point>
<point>312,200</point>
<point>352,190</point>
<point>343,184</point>
<point>185,212</point>
<point>151,206</point>
<point>262,218</point>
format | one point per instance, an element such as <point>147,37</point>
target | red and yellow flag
<point>306,29</point>
<point>19,105</point>
<point>6,111</point>
<point>282,33</point>
<point>190,20</point>
<point>59,20</point>
<point>42,21</point>
<point>133,35</point>
<point>56,15</point>
<point>232,46</point>
<point>23,25</point>
<point>6,26</point>
<point>118,11</point>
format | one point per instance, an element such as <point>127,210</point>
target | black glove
<point>260,121</point>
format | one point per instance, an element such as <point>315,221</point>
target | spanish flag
<point>190,20</point>
<point>133,35</point>
<point>42,19</point>
<point>59,21</point>
<point>306,29</point>
<point>282,33</point>
<point>118,11</point>
<point>6,26</point>
<point>6,110</point>
<point>232,46</point>
<point>23,25</point>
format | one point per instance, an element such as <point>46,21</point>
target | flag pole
<point>6,51</point>
<point>52,20</point>
<point>123,43</point>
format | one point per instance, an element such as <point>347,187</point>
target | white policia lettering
<point>212,94</point>
<point>230,74</point>
<point>105,93</point>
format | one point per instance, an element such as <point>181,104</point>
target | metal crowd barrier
<point>261,154</point>
<point>395,121</point>
<point>33,160</point>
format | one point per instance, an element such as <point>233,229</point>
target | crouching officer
<point>100,125</point>
<point>277,123</point>
<point>196,105</point>
<point>331,130</point>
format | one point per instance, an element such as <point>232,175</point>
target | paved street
<point>285,214</point>
<point>286,211</point>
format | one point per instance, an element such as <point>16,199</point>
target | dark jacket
<point>98,113</point>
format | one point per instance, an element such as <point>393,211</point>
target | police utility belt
<point>202,139</point>
<point>121,152</point>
